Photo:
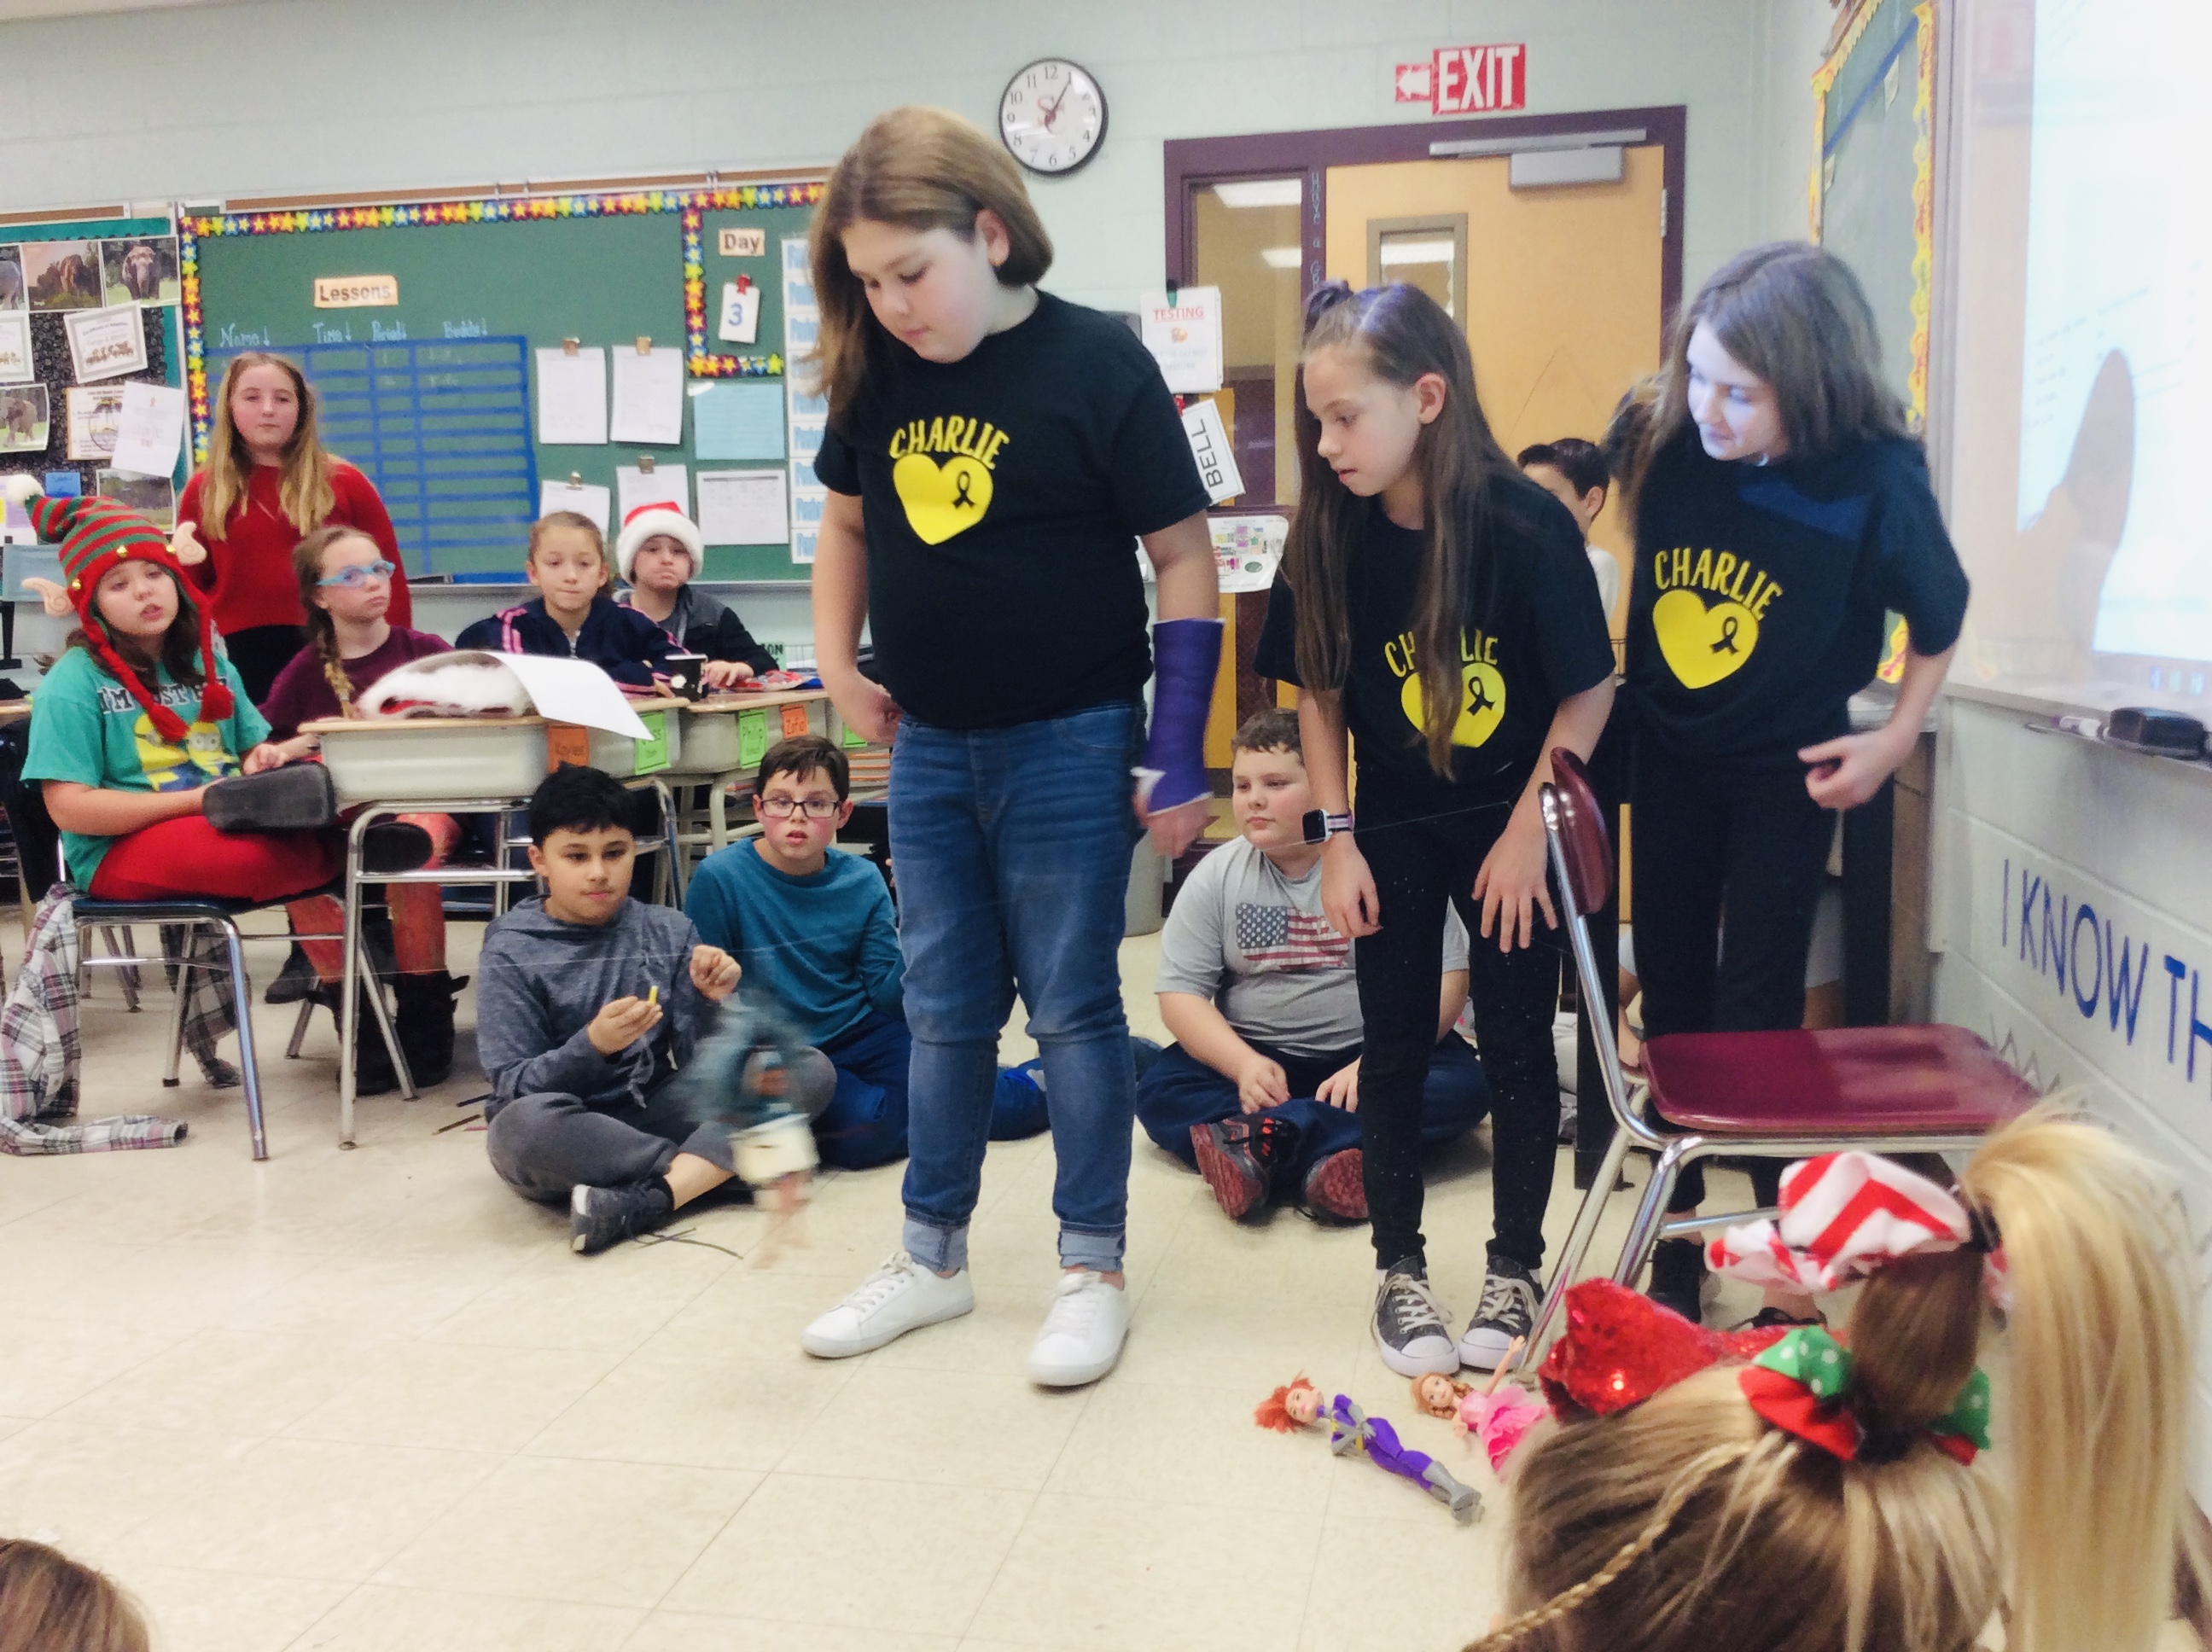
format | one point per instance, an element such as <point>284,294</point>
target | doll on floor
<point>1498,1414</point>
<point>1297,1404</point>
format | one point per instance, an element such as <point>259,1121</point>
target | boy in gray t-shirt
<point>1260,1090</point>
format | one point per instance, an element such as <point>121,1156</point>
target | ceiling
<point>22,11</point>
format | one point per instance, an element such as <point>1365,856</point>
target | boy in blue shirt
<point>812,926</point>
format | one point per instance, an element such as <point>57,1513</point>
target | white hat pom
<point>20,487</point>
<point>644,522</point>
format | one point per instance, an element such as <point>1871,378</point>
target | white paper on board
<point>740,322</point>
<point>153,429</point>
<point>575,691</point>
<point>572,398</point>
<point>1183,330</point>
<point>663,484</point>
<point>743,507</point>
<point>648,396</point>
<point>581,497</point>
<point>1209,445</point>
<point>105,343</point>
<point>16,367</point>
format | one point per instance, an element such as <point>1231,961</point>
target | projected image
<point>2117,358</point>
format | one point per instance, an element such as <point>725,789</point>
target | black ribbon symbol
<point>1728,636</point>
<point>963,480</point>
<point>1478,696</point>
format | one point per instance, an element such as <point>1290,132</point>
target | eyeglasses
<point>359,573</point>
<point>784,808</point>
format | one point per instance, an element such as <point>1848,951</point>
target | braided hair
<point>322,631</point>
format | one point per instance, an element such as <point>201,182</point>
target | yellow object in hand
<point>653,994</point>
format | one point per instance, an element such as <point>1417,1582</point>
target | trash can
<point>1148,882</point>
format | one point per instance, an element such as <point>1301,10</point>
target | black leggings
<point>1710,835</point>
<point>259,653</point>
<point>1422,851</point>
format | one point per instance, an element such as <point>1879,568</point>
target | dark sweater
<point>301,693</point>
<point>621,641</point>
<point>705,625</point>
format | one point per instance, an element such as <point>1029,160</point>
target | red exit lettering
<point>1467,80</point>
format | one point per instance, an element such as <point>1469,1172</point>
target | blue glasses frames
<point>360,573</point>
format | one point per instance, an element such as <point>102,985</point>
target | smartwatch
<point>1320,826</point>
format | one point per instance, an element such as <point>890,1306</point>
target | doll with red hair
<point>1298,1404</point>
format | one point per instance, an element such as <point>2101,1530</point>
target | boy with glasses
<point>812,926</point>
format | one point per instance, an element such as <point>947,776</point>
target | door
<point>1559,286</point>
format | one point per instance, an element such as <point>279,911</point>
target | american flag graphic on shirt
<point>1281,938</point>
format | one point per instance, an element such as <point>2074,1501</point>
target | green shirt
<point>86,727</point>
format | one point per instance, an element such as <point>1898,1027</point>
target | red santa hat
<point>96,534</point>
<point>661,518</point>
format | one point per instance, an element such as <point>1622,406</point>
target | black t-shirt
<point>1542,639</point>
<point>1003,495</point>
<point>1760,591</point>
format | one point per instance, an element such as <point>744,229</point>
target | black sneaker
<point>1507,1313</point>
<point>1410,1333</point>
<point>1777,1319</point>
<point>600,1217</point>
<point>1678,1277</point>
<point>295,980</point>
<point>1241,1157</point>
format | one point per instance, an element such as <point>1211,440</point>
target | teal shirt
<point>824,945</point>
<point>86,727</point>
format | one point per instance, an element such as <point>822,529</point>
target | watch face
<point>1317,826</point>
<point>1052,116</point>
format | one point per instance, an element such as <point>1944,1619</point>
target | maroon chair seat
<point>1843,1082</point>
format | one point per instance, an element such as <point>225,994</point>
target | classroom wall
<point>308,96</point>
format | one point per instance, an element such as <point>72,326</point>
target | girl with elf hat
<point>658,553</point>
<point>141,714</point>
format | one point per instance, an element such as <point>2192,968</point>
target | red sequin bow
<point>1844,1215</point>
<point>1619,1348</point>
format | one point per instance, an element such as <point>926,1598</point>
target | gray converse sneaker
<point>1508,1311</point>
<point>1410,1332</point>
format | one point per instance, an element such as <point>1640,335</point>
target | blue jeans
<point>866,1123</point>
<point>1181,1090</point>
<point>1011,849</point>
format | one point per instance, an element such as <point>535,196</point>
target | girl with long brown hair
<point>345,585</point>
<point>1780,509</point>
<point>1435,610</point>
<point>992,451</point>
<point>269,482</point>
<point>1830,1494</point>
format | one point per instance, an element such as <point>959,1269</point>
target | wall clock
<point>1052,116</point>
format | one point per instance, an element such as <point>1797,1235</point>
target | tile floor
<point>368,1400</point>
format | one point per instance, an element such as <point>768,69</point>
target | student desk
<point>457,766</point>
<point>723,736</point>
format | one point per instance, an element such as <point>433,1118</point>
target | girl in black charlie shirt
<point>1438,608</point>
<point>1780,509</point>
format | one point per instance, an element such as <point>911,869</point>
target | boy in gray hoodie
<point>587,1003</point>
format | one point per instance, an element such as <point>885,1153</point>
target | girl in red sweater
<point>268,483</point>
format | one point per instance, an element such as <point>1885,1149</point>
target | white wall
<point>301,96</point>
<point>1792,39</point>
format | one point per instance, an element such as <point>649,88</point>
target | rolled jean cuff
<point>1092,1248</point>
<point>942,1249</point>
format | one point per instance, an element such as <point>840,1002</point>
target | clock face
<point>1052,116</point>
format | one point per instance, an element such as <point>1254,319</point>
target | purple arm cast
<point>1186,654</point>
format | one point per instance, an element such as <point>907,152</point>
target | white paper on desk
<point>572,398</point>
<point>152,427</point>
<point>648,396</point>
<point>582,497</point>
<point>575,691</point>
<point>663,484</point>
<point>743,507</point>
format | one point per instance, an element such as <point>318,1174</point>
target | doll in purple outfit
<point>1298,1404</point>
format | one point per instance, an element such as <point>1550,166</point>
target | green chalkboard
<point>606,279</point>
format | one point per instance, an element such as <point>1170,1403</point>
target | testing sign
<point>1468,80</point>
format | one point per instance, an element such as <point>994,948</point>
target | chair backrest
<point>1577,825</point>
<point>37,840</point>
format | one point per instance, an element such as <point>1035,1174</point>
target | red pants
<point>187,856</point>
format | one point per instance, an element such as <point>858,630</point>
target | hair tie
<point>1844,1216</point>
<point>1981,1233</point>
<point>1325,297</point>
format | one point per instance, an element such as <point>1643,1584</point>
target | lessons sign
<point>1467,80</point>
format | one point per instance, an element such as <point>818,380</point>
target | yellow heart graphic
<point>1481,709</point>
<point>1703,645</point>
<point>941,501</point>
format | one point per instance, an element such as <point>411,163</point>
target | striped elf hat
<point>95,534</point>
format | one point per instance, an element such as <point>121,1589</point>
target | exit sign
<point>1468,80</point>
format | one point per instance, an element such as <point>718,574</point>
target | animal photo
<point>153,497</point>
<point>11,278</point>
<point>141,270</point>
<point>63,275</point>
<point>25,419</point>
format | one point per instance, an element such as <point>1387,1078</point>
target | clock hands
<point>1052,113</point>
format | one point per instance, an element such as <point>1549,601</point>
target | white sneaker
<point>899,1297</point>
<point>1083,1334</point>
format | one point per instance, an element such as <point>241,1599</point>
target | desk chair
<point>1757,1095</point>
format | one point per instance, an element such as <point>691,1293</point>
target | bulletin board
<point>52,366</point>
<point>1872,196</point>
<point>481,286</point>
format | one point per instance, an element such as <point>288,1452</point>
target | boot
<point>1678,1277</point>
<point>425,1023</point>
<point>372,1071</point>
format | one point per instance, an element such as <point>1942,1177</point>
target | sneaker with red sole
<point>1337,1187</point>
<point>1240,1157</point>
